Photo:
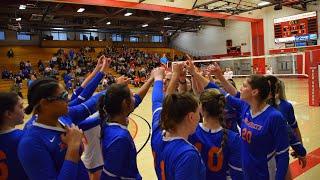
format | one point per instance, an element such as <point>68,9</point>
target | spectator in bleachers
<point>5,74</point>
<point>28,66</point>
<point>32,78</point>
<point>17,86</point>
<point>10,53</point>
<point>22,65</point>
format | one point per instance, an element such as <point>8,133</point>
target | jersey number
<point>246,135</point>
<point>163,175</point>
<point>3,166</point>
<point>212,166</point>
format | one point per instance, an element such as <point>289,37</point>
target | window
<point>116,37</point>
<point>2,35</point>
<point>59,35</point>
<point>157,39</point>
<point>134,39</point>
<point>84,36</point>
<point>23,36</point>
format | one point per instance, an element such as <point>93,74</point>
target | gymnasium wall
<point>212,39</point>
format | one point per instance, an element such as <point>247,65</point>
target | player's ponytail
<point>213,103</point>
<point>273,84</point>
<point>281,90</point>
<point>175,107</point>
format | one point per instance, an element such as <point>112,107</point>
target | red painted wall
<point>257,35</point>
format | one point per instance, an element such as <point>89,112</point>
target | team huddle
<point>202,128</point>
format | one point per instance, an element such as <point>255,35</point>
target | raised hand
<point>105,64</point>
<point>215,69</point>
<point>178,69</point>
<point>158,73</point>
<point>123,80</point>
<point>190,66</point>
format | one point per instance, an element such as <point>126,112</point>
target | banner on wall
<point>314,86</point>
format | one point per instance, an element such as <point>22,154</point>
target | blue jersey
<point>218,161</point>
<point>76,93</point>
<point>10,166</point>
<point>67,81</point>
<point>42,155</point>
<point>119,153</point>
<point>264,136</point>
<point>174,158</point>
<point>232,118</point>
<point>295,143</point>
<point>87,92</point>
<point>92,156</point>
<point>288,113</point>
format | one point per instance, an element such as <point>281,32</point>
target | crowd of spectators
<point>75,65</point>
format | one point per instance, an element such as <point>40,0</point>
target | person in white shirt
<point>269,70</point>
<point>228,74</point>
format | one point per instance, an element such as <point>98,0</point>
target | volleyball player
<point>118,149</point>
<point>218,146</point>
<point>92,156</point>
<point>48,150</point>
<point>11,114</point>
<point>265,143</point>
<point>178,116</point>
<point>287,111</point>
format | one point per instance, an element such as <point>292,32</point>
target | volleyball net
<point>289,64</point>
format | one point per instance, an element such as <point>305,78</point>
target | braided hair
<point>213,103</point>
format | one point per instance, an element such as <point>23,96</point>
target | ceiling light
<point>166,18</point>
<point>22,7</point>
<point>128,14</point>
<point>109,23</point>
<point>263,3</point>
<point>57,28</point>
<point>18,19</point>
<point>145,25</point>
<point>80,10</point>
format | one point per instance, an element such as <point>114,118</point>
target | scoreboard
<point>300,29</point>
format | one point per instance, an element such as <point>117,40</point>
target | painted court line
<point>313,159</point>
